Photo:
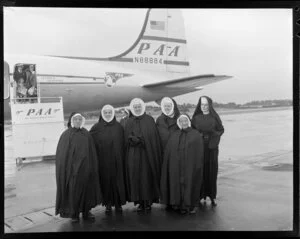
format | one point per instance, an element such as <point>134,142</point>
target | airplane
<point>155,66</point>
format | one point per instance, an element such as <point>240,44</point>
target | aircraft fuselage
<point>88,97</point>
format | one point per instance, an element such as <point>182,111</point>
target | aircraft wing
<point>188,82</point>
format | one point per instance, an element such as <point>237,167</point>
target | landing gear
<point>19,162</point>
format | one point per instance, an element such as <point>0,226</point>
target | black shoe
<point>168,208</point>
<point>75,219</point>
<point>64,215</point>
<point>108,209</point>
<point>213,202</point>
<point>140,208</point>
<point>148,208</point>
<point>118,209</point>
<point>183,211</point>
<point>193,210</point>
<point>176,208</point>
<point>88,216</point>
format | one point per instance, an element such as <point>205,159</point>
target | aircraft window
<point>6,81</point>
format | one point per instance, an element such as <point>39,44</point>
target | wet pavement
<point>255,189</point>
<point>253,195</point>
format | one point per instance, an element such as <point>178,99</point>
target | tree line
<point>232,105</point>
<point>188,107</point>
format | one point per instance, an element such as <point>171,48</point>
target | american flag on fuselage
<point>157,25</point>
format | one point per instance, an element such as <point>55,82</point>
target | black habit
<point>182,169</point>
<point>143,159</point>
<point>77,179</point>
<point>166,125</point>
<point>109,141</point>
<point>210,126</point>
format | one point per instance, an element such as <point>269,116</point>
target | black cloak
<point>143,159</point>
<point>77,179</point>
<point>166,125</point>
<point>182,169</point>
<point>109,142</point>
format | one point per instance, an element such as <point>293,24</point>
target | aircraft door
<point>26,87</point>
<point>6,81</point>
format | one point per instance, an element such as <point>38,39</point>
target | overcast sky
<point>252,45</point>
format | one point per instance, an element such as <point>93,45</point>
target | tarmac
<point>248,199</point>
<point>255,193</point>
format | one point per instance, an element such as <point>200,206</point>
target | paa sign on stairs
<point>37,127</point>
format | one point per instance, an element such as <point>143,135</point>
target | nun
<point>127,115</point>
<point>182,168</point>
<point>207,121</point>
<point>143,157</point>
<point>77,179</point>
<point>108,135</point>
<point>167,122</point>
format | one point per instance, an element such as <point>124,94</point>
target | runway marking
<point>48,214</point>
<point>8,226</point>
<point>28,219</point>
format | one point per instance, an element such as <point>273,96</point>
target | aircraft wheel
<point>19,163</point>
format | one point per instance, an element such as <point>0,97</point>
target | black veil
<point>69,121</point>
<point>211,109</point>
